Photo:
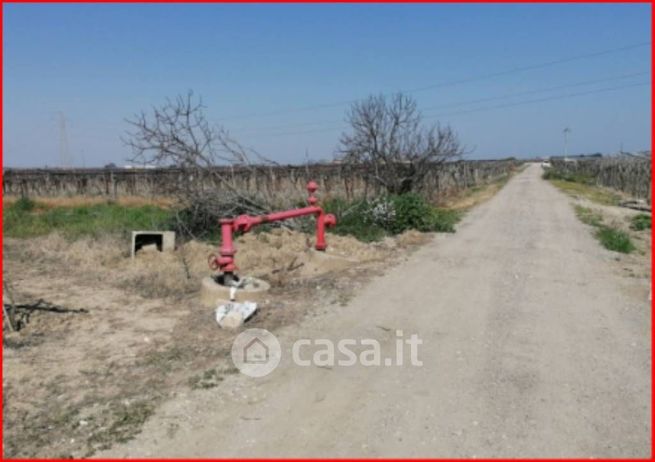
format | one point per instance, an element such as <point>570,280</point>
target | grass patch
<point>24,205</point>
<point>610,237</point>
<point>582,186</point>
<point>27,218</point>
<point>208,379</point>
<point>640,222</point>
<point>551,174</point>
<point>76,200</point>
<point>124,421</point>
<point>367,220</point>
<point>588,216</point>
<point>614,239</point>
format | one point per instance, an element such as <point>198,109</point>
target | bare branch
<point>388,139</point>
<point>177,134</point>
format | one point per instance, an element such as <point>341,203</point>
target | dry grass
<point>75,383</point>
<point>173,274</point>
<point>468,198</point>
<point>597,194</point>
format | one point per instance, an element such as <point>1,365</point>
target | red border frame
<point>349,1</point>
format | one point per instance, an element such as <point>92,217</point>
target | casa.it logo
<point>256,352</point>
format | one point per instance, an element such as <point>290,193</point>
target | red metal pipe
<point>244,223</point>
<point>323,220</point>
<point>226,260</point>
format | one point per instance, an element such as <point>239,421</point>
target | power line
<point>473,101</point>
<point>534,66</point>
<point>541,90</point>
<point>502,106</point>
<point>540,100</point>
<point>452,82</point>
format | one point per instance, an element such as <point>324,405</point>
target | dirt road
<point>534,345</point>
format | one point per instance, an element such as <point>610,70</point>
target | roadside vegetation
<point>26,218</point>
<point>588,216</point>
<point>390,215</point>
<point>611,237</point>
<point>367,220</point>
<point>582,187</point>
<point>640,222</point>
<point>614,239</point>
<point>467,198</point>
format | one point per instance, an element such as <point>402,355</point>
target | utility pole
<point>566,132</point>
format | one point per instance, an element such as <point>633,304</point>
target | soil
<point>535,343</point>
<point>104,339</point>
<point>632,264</point>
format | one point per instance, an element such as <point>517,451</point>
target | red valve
<point>244,223</point>
<point>330,220</point>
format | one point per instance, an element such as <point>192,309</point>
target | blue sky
<point>255,65</point>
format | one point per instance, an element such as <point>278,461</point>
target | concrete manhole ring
<point>212,292</point>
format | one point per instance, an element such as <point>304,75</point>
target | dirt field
<point>536,343</point>
<point>105,339</point>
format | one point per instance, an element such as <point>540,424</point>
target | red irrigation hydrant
<point>244,223</point>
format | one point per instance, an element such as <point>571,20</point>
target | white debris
<point>232,315</point>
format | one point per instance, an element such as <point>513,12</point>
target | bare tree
<point>177,134</point>
<point>387,137</point>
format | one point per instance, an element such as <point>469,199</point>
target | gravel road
<point>534,345</point>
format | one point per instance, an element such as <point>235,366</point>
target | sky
<point>508,78</point>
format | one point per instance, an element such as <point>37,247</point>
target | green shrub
<point>444,220</point>
<point>24,204</point>
<point>352,219</point>
<point>389,215</point>
<point>614,239</point>
<point>640,222</point>
<point>413,212</point>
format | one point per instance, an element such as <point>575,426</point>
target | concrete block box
<point>163,241</point>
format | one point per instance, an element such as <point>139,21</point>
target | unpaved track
<point>533,345</point>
